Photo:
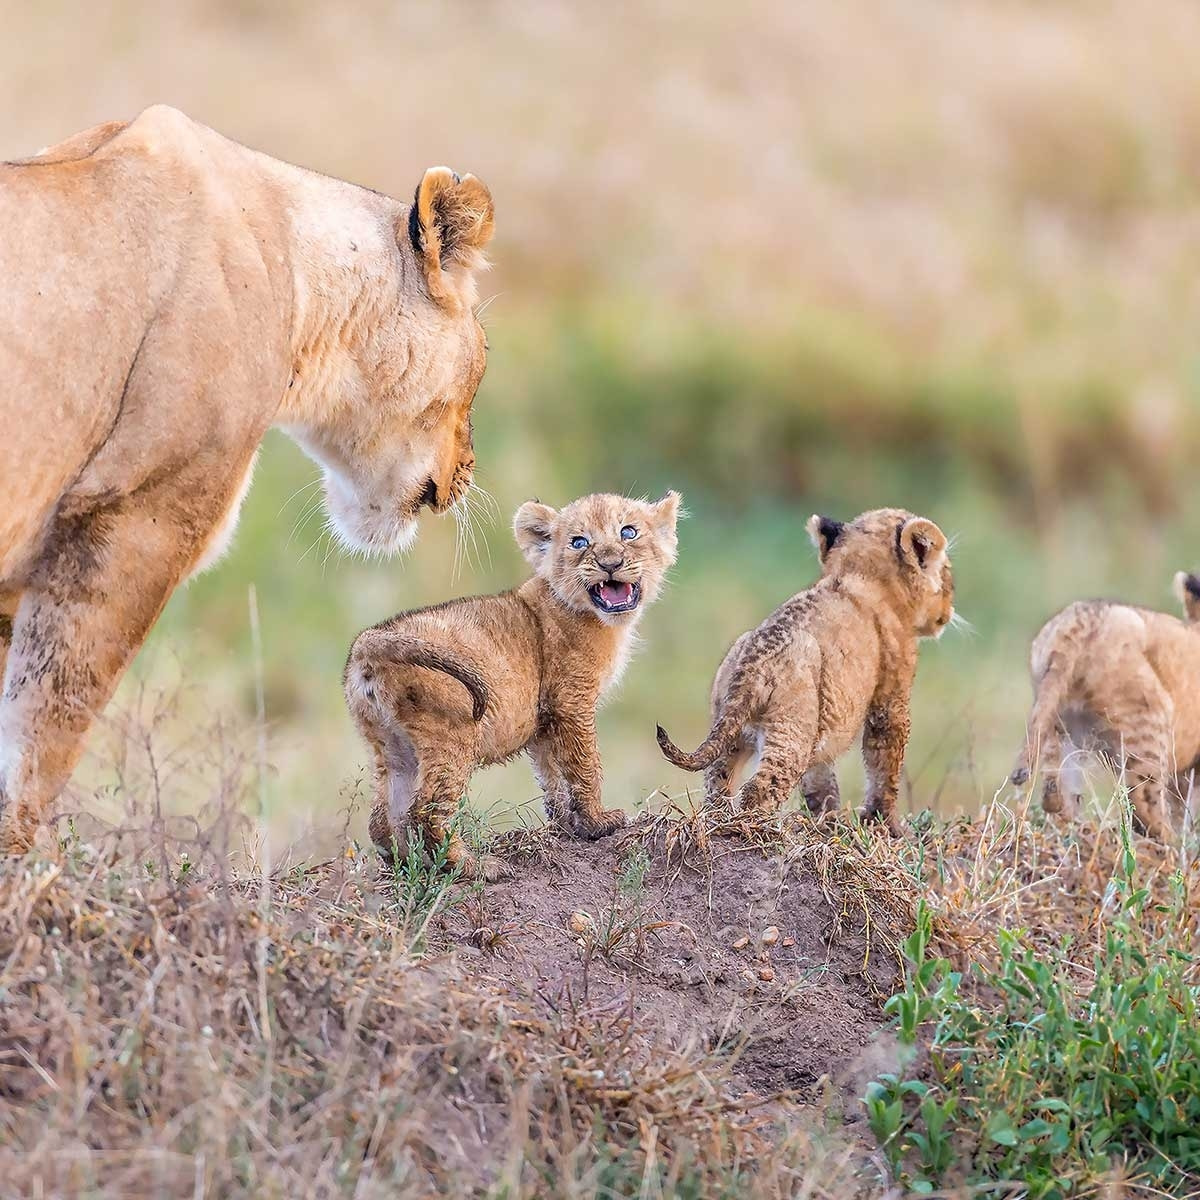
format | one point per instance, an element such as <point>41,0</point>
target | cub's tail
<point>720,741</point>
<point>379,645</point>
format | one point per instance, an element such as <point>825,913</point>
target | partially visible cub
<point>792,695</point>
<point>443,690</point>
<point>841,657</point>
<point>1125,682</point>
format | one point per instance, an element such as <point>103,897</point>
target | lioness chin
<point>440,691</point>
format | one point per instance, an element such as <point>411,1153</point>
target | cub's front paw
<point>889,821</point>
<point>608,822</point>
<point>486,867</point>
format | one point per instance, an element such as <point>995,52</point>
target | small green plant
<point>422,885</point>
<point>631,879</point>
<point>1040,1081</point>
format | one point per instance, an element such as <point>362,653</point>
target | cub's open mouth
<point>615,596</point>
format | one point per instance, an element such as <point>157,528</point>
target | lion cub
<point>440,691</point>
<point>792,694</point>
<point>1123,681</point>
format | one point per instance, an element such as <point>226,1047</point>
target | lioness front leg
<point>80,621</point>
<point>573,743</point>
<point>885,738</point>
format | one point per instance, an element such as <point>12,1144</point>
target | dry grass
<point>173,1023</point>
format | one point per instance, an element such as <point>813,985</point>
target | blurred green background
<point>784,257</point>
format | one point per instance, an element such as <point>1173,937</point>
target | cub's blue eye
<point>628,533</point>
<point>580,543</point>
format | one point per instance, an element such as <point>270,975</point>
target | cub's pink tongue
<point>616,593</point>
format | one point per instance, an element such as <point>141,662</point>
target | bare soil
<point>737,950</point>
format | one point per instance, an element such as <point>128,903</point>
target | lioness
<point>791,695</point>
<point>442,690</point>
<point>1123,681</point>
<point>168,296</point>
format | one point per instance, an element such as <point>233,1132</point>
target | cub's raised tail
<point>379,646</point>
<point>720,741</point>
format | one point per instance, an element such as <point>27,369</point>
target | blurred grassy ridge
<point>756,436</point>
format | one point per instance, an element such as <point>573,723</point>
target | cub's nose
<point>610,565</point>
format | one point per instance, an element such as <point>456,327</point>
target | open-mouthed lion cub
<point>792,694</point>
<point>1124,681</point>
<point>440,691</point>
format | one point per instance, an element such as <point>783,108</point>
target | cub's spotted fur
<point>792,694</point>
<point>441,691</point>
<point>1122,681</point>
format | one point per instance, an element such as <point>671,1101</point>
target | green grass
<point>1045,1075</point>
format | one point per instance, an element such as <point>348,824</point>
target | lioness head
<point>389,357</point>
<point>604,555</point>
<point>1187,589</point>
<point>908,555</point>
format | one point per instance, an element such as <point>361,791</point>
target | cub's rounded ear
<point>923,544</point>
<point>667,511</point>
<point>1187,590</point>
<point>451,220</point>
<point>533,527</point>
<point>824,532</point>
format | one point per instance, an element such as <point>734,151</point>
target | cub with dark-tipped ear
<point>441,691</point>
<point>840,657</point>
<point>1123,680</point>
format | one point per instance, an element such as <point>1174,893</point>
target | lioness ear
<point>533,527</point>
<point>449,224</point>
<point>824,532</point>
<point>923,544</point>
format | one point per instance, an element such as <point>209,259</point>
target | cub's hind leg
<point>395,786</point>
<point>1061,787</point>
<point>784,751</point>
<point>444,766</point>
<point>1142,743</point>
<point>719,779</point>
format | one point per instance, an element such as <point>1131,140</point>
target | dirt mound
<point>738,948</point>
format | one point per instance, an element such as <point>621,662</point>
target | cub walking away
<point>1122,681</point>
<point>443,690</point>
<point>792,694</point>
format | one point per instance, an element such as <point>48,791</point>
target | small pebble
<point>580,922</point>
<point>741,943</point>
<point>766,974</point>
<point>789,941</point>
<point>770,935</point>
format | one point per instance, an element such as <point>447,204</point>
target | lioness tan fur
<point>1124,681</point>
<point>168,296</point>
<point>441,691</point>
<point>792,695</point>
